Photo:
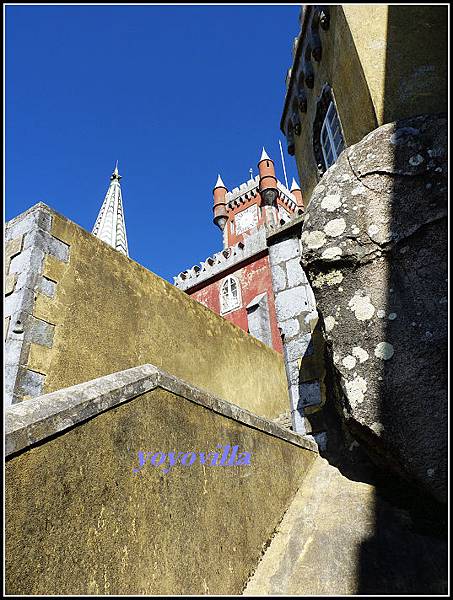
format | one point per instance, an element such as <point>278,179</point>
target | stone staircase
<point>340,537</point>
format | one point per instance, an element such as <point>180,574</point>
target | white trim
<point>229,302</point>
<point>331,115</point>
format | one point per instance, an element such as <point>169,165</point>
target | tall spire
<point>110,226</point>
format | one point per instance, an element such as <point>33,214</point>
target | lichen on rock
<point>389,251</point>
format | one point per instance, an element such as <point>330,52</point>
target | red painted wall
<point>232,237</point>
<point>255,278</point>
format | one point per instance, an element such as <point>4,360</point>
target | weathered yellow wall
<point>384,63</point>
<point>341,68</point>
<point>403,52</point>
<point>80,522</point>
<point>110,314</point>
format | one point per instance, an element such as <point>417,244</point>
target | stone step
<point>339,537</point>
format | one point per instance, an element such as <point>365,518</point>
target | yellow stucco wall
<point>110,314</point>
<point>339,67</point>
<point>384,63</point>
<point>403,53</point>
<point>80,522</point>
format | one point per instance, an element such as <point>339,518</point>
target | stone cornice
<point>33,421</point>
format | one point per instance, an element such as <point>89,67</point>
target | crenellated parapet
<point>246,215</point>
<point>242,194</point>
<point>250,189</point>
<point>221,261</point>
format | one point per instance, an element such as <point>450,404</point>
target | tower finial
<point>219,183</point>
<point>115,174</point>
<point>264,155</point>
<point>294,185</point>
<point>297,193</point>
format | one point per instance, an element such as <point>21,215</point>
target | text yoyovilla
<point>223,456</point>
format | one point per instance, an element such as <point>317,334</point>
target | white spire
<point>264,155</point>
<point>219,183</point>
<point>294,185</point>
<point>110,226</point>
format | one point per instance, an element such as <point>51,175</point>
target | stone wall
<point>403,53</point>
<point>80,521</point>
<point>76,309</point>
<point>297,318</point>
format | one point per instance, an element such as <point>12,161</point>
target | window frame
<point>323,104</point>
<point>227,306</point>
<point>329,119</point>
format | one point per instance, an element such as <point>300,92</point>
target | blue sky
<point>175,93</point>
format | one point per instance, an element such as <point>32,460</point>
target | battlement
<point>218,262</point>
<point>253,243</point>
<point>250,189</point>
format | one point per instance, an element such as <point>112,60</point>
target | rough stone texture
<point>339,536</point>
<point>284,420</point>
<point>101,529</point>
<point>384,299</point>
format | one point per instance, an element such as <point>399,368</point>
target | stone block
<point>289,328</point>
<point>47,287</point>
<point>290,303</point>
<point>12,248</point>
<point>37,216</point>
<point>31,383</point>
<point>10,282</point>
<point>284,250</point>
<point>296,275</point>
<point>309,394</point>
<point>278,278</point>
<point>299,347</point>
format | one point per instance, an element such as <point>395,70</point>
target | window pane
<point>330,111</point>
<point>335,130</point>
<point>337,139</point>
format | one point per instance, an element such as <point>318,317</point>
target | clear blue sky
<point>175,93</point>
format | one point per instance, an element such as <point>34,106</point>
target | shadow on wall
<point>409,539</point>
<point>416,61</point>
<point>379,276</point>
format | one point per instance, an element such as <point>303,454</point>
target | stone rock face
<point>374,247</point>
